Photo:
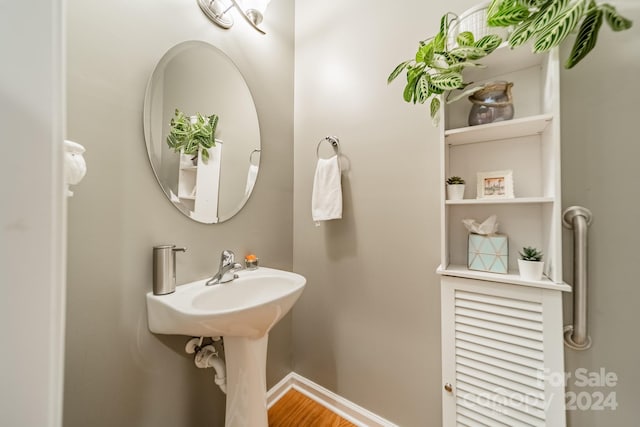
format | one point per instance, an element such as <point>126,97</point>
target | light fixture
<point>252,10</point>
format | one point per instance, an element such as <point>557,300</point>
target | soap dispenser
<point>164,268</point>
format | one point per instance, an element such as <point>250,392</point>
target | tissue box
<point>488,253</point>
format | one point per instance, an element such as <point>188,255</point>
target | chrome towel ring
<point>335,143</point>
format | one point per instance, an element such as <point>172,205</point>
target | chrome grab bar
<point>578,219</point>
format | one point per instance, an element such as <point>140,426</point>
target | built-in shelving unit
<point>529,145</point>
<point>494,325</point>
<point>199,184</point>
<point>187,178</point>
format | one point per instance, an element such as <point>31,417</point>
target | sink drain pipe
<point>208,357</point>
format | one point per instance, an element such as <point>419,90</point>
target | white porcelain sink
<point>248,306</point>
<point>242,311</point>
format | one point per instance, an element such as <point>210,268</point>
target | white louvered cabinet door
<point>502,354</point>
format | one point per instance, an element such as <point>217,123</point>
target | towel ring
<point>257,150</point>
<point>333,140</point>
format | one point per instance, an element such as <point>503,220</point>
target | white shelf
<point>506,60</point>
<point>512,278</point>
<point>189,168</point>
<point>516,201</point>
<point>187,197</point>
<point>524,126</point>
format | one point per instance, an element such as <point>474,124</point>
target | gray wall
<point>117,372</point>
<point>600,154</point>
<point>367,326</point>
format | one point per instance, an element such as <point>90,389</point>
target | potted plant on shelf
<point>455,188</point>
<point>191,135</point>
<point>437,67</point>
<point>530,263</point>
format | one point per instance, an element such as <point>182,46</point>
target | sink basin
<point>248,306</point>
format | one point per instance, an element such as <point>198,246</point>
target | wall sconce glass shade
<point>251,10</point>
<point>217,12</point>
<point>255,9</point>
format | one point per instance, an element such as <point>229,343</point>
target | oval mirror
<point>197,95</point>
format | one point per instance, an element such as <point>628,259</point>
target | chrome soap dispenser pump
<point>164,268</point>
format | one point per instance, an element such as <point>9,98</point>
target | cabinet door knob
<point>448,387</point>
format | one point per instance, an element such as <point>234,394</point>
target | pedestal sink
<point>242,311</point>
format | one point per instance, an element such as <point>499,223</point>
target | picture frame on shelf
<point>495,185</point>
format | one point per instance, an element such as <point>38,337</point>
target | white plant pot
<point>455,191</point>
<point>474,19</point>
<point>530,270</point>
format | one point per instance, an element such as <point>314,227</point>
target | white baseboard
<point>277,391</point>
<point>337,404</point>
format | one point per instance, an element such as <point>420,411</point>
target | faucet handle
<point>227,258</point>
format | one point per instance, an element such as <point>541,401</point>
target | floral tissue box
<point>488,253</point>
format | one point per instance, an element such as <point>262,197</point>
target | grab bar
<point>578,219</point>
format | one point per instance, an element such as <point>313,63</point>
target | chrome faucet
<point>226,271</point>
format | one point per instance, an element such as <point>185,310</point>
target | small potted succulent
<point>530,263</point>
<point>455,188</point>
<point>190,135</point>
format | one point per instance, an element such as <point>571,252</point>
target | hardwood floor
<point>295,409</point>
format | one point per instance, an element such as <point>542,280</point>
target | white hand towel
<point>326,200</point>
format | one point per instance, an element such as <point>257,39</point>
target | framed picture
<point>495,185</point>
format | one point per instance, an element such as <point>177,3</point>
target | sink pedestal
<point>246,360</point>
<point>240,310</point>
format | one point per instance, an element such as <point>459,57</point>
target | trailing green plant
<point>529,253</point>
<point>437,67</point>
<point>453,180</point>
<point>548,23</point>
<point>189,137</point>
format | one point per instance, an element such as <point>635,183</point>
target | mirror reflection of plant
<point>189,137</point>
<point>549,22</point>
<point>437,68</point>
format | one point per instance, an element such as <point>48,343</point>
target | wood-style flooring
<point>295,409</point>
